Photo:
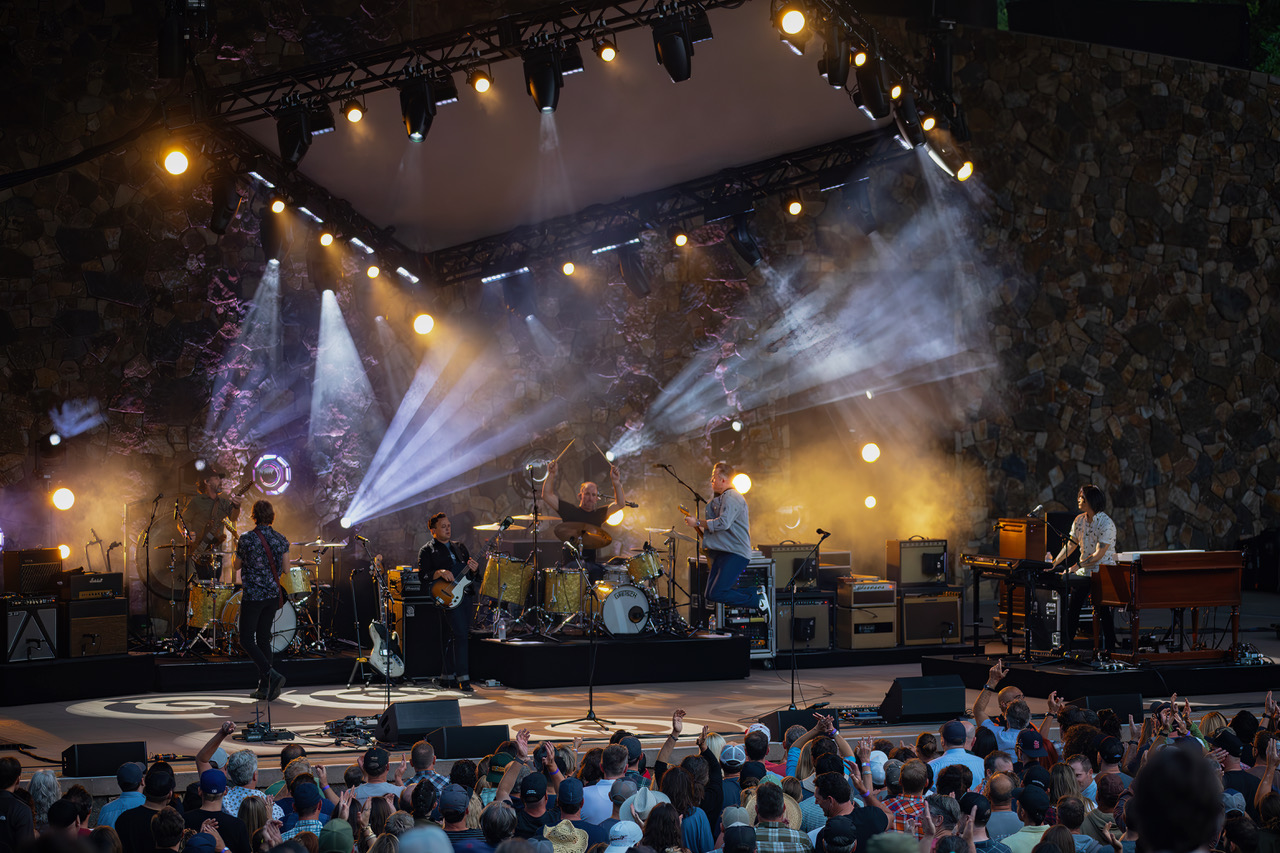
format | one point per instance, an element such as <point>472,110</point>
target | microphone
<point>113,546</point>
<point>631,504</point>
<point>824,534</point>
<point>1039,509</point>
<point>158,497</point>
<point>660,465</point>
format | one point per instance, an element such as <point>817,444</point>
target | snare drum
<point>296,582</point>
<point>206,602</point>
<point>644,566</point>
<point>623,609</point>
<point>563,591</point>
<point>283,627</point>
<point>506,579</point>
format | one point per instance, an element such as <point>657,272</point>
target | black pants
<point>1078,590</point>
<point>457,635</point>
<point>255,633</point>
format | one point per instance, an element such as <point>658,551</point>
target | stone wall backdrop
<point>1123,239</point>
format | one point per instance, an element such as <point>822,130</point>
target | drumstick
<point>601,452</point>
<point>566,449</point>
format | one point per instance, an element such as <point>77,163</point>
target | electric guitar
<point>697,530</point>
<point>448,594</point>
<point>210,535</point>
<point>385,655</point>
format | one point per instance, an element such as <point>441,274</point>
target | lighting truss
<point>729,192</point>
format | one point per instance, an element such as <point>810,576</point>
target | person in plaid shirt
<point>909,808</point>
<point>422,758</point>
<point>772,833</point>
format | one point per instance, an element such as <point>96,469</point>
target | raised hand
<point>1109,838</point>
<point>229,726</point>
<point>996,673</point>
<point>577,743</point>
<point>702,737</point>
<point>677,722</point>
<point>1055,704</point>
<point>522,744</point>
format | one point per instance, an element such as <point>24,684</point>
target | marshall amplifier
<point>77,586</point>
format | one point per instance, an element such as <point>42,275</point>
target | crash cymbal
<point>592,536</point>
<point>676,534</point>
<point>301,562</point>
<point>496,525</point>
<point>540,518</point>
<point>320,543</point>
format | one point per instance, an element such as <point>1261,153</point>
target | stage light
<point>606,48</point>
<point>226,202</point>
<point>608,456</point>
<point>326,238</point>
<point>373,271</point>
<point>423,324</point>
<point>790,18</point>
<point>794,206</point>
<point>200,465</point>
<point>54,439</point>
<point>633,271</point>
<point>272,473</point>
<point>741,482</point>
<point>947,157</point>
<point>736,425</point>
<point>176,161</point>
<point>742,241</point>
<point>277,204</point>
<point>870,502</point>
<point>517,292</point>
<point>568,268</point>
<point>616,518</point>
<point>928,123</point>
<point>910,132</point>
<point>64,551</point>
<point>677,235</point>
<point>870,393</point>
<point>320,118</point>
<point>64,499</point>
<point>674,36</point>
<point>542,77</point>
<point>859,58</point>
<point>353,110</point>
<point>418,99</point>
<point>271,232</point>
<point>895,91</point>
<point>293,132</point>
<point>836,60</point>
<point>345,522</point>
<point>965,172</point>
<point>870,452</point>
<point>871,95</point>
<point>479,79</point>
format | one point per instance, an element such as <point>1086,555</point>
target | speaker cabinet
<point>779,721</point>
<point>930,618</point>
<point>1124,704</point>
<point>34,571</point>
<point>909,562</point>
<point>420,624</point>
<point>789,559</point>
<point>1022,538</point>
<point>866,615</point>
<point>806,617</point>
<point>409,722</point>
<point>31,632</point>
<point>101,759</point>
<point>467,741</point>
<point>93,627</point>
<point>924,698</point>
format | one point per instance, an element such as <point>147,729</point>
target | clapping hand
<point>677,722</point>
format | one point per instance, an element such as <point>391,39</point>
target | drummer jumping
<point>586,511</point>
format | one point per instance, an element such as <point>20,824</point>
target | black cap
<point>533,787</point>
<point>1228,740</point>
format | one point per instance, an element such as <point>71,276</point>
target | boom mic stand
<point>698,501</point>
<point>796,573</point>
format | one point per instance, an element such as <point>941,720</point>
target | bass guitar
<point>448,594</point>
<point>385,656</point>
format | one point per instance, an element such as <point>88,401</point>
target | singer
<point>726,539</point>
<point>1095,532</point>
<point>442,559</point>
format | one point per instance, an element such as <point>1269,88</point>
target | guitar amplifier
<point>806,618</point>
<point>867,614</point>
<point>405,581</point>
<point>789,559</point>
<point>74,586</point>
<point>90,627</point>
<point>32,572</point>
<point>31,629</point>
<point>931,618</point>
<point>915,561</point>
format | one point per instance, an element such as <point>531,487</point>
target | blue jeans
<point>725,569</point>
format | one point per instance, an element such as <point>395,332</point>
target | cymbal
<point>320,543</point>
<point>496,525</point>
<point>675,534</point>
<point>301,562</point>
<point>592,536</point>
<point>540,518</point>
<point>169,546</point>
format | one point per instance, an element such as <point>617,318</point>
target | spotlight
<point>200,464</point>
<point>64,551</point>
<point>870,452</point>
<point>895,91</point>
<point>793,205</point>
<point>293,132</point>
<point>345,522</point>
<point>910,131</point>
<point>326,238</point>
<point>870,502</point>
<point>633,271</point>
<point>320,118</point>
<point>736,425</point>
<point>54,439</point>
<point>64,499</point>
<point>743,242</point>
<point>608,456</point>
<point>277,203</point>
<point>790,21</point>
<point>836,59</point>
<point>741,482</point>
<point>616,518</point>
<point>373,271</point>
<point>517,293</point>
<point>176,161</point>
<point>965,172</point>
<point>677,235</point>
<point>423,324</point>
<point>948,158</point>
<point>606,48</point>
<point>859,58</point>
<point>272,473</point>
<point>353,109</point>
<point>226,202</point>
<point>872,100</point>
<point>479,79</point>
<point>542,77</point>
<point>419,97</point>
<point>674,36</point>
<point>568,268</point>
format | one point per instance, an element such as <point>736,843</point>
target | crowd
<point>993,784</point>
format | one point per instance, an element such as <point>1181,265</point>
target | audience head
<point>1177,801</point>
<point>771,804</point>
<point>945,811</point>
<point>926,746</point>
<point>167,827</point>
<point>984,742</point>
<point>242,766</point>
<point>997,761</point>
<point>1071,812</point>
<point>497,822</point>
<point>1059,839</point>
<point>662,828</point>
<point>954,780</point>
<point>973,800</point>
<point>1033,804</point>
<point>914,777</point>
<point>105,839</point>
<point>999,790</point>
<point>1110,787</point>
<point>1017,715</point>
<point>756,745</point>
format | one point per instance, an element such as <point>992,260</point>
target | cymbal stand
<point>538,628</point>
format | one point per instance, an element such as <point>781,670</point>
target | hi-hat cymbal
<point>674,534</point>
<point>301,562</point>
<point>496,525</point>
<point>592,536</point>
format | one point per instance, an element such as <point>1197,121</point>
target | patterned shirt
<point>304,826</point>
<point>1089,534</point>
<point>906,808</point>
<point>255,569</point>
<point>235,795</point>
<point>780,838</point>
<point>437,781</point>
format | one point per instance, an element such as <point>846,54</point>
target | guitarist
<point>441,559</point>
<point>726,539</point>
<point>259,558</point>
<point>204,515</point>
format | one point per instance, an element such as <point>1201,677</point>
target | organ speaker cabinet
<point>913,562</point>
<point>867,615</point>
<point>1022,538</point>
<point>806,618</point>
<point>931,618</point>
<point>93,627</point>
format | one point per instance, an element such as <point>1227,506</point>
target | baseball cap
<point>336,836</point>
<point>1228,740</point>
<point>953,732</point>
<point>892,771</point>
<point>1158,706</point>
<point>877,760</point>
<point>62,813</point>
<point>634,749</point>
<point>623,835</point>
<point>497,763</point>
<point>754,770</point>
<point>201,842</point>
<point>972,799</point>
<point>735,814</point>
<point>759,727</point>
<point>733,756</point>
<point>1232,801</point>
<point>454,798</point>
<point>739,839</point>
<point>376,760</point>
<point>1111,750</point>
<point>619,790</point>
<point>1031,743</point>
<point>213,782</point>
<point>306,797</point>
<point>1037,777</point>
<point>1034,800</point>
<point>129,775</point>
<point>158,783</point>
<point>533,788</point>
<point>219,758</point>
<point>570,792</point>
<point>839,832</point>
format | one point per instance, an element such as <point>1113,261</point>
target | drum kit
<point>624,599</point>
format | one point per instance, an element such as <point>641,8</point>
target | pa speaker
<point>467,741</point>
<point>924,698</point>
<point>101,759</point>
<point>779,721</point>
<point>409,722</point>
<point>1123,704</point>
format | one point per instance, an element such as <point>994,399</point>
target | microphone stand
<point>698,501</point>
<point>796,574</point>
<point>150,637</point>
<point>538,629</point>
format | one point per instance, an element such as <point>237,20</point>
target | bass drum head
<point>625,610</point>
<point>284,627</point>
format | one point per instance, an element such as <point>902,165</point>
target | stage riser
<point>823,658</point>
<point>68,679</point>
<point>1151,682</point>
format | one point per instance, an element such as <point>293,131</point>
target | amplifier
<point>790,558</point>
<point>90,627</point>
<point>77,585</point>
<point>915,561</point>
<point>806,618</point>
<point>32,572</point>
<point>420,624</point>
<point>867,615</point>
<point>856,593</point>
<point>758,629</point>
<point>404,581</point>
<point>930,619</point>
<point>31,631</point>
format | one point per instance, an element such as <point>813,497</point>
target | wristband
<point>988,688</point>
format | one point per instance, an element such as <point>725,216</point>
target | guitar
<point>448,594</point>
<point>385,656</point>
<point>206,542</point>
<point>697,530</point>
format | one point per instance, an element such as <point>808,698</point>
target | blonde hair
<point>715,743</point>
<point>1212,722</point>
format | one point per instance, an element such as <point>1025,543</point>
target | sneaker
<point>259,693</point>
<point>762,600</point>
<point>465,686</point>
<point>277,684</point>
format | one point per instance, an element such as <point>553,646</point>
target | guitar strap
<point>271,561</point>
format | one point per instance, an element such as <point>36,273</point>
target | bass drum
<point>624,608</point>
<point>284,627</point>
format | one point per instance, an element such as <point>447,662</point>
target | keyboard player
<point>1094,533</point>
